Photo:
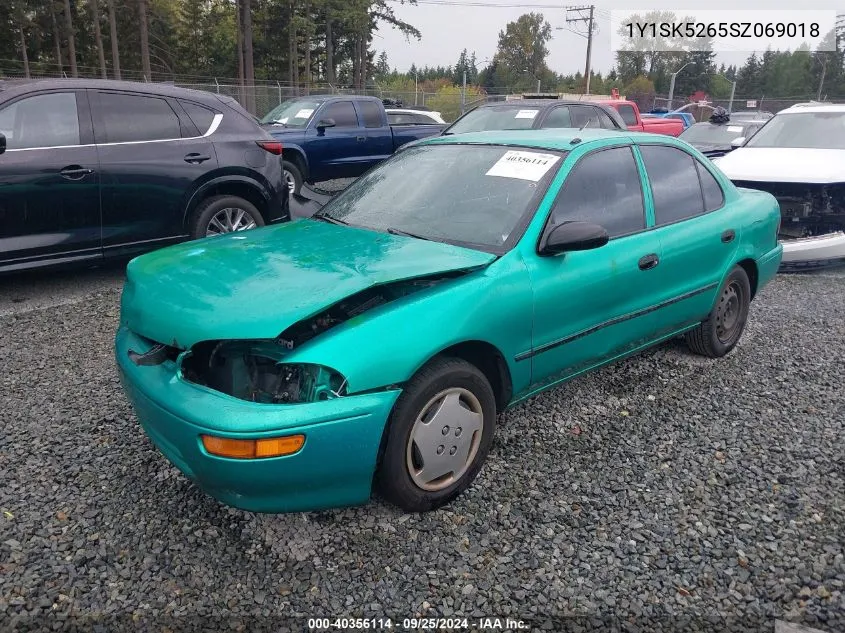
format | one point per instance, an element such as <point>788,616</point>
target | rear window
<point>200,115</point>
<point>128,118</point>
<point>370,113</point>
<point>627,113</point>
<point>503,117</point>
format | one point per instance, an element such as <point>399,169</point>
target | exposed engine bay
<point>807,210</point>
<point>256,371</point>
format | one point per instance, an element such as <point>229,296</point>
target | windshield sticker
<point>526,114</point>
<point>523,165</point>
<point>304,113</point>
<point>734,128</point>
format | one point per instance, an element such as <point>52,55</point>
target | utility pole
<point>464,93</point>
<point>590,25</point>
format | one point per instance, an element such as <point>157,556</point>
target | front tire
<point>224,214</point>
<point>438,435</point>
<point>719,333</point>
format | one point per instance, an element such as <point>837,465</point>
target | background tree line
<point>308,42</point>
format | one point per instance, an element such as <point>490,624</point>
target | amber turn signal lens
<point>252,449</point>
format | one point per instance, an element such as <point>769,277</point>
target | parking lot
<point>667,486</point>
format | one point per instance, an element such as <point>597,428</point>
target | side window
<point>370,113</point>
<point>584,116</point>
<point>605,121</point>
<point>128,118</point>
<point>558,117</point>
<point>674,183</point>
<point>47,120</point>
<point>603,188</point>
<point>714,197</point>
<point>343,113</point>
<point>628,114</point>
<point>200,115</point>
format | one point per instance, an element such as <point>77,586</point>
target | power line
<point>491,5</point>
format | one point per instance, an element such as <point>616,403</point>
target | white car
<point>408,116</point>
<point>799,157</point>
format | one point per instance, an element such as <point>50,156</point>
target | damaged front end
<point>257,370</point>
<point>812,227</point>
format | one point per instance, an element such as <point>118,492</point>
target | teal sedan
<point>300,366</point>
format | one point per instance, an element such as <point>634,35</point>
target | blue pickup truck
<point>336,136</point>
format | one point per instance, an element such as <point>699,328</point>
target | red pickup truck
<point>630,113</point>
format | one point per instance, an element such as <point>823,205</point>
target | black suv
<point>95,168</point>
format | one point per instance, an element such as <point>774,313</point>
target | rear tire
<point>438,435</point>
<point>293,176</point>
<point>719,333</point>
<point>224,214</point>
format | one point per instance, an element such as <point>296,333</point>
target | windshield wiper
<point>393,231</point>
<point>328,218</point>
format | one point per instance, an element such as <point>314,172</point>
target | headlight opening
<point>255,371</point>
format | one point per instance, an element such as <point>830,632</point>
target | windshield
<point>711,133</point>
<point>812,130</point>
<point>477,196</point>
<point>503,117</point>
<point>293,113</point>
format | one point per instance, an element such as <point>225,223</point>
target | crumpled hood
<point>779,164</point>
<point>257,283</point>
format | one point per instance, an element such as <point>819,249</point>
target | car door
<point>593,305</point>
<point>150,156</point>
<point>697,231</point>
<point>49,180</point>
<point>339,151</point>
<point>379,143</point>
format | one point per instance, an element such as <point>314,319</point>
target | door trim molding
<point>614,321</point>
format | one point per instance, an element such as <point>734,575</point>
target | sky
<point>448,28</point>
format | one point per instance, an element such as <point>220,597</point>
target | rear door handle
<point>362,138</point>
<point>649,261</point>
<point>195,159</point>
<point>728,236</point>
<point>75,172</point>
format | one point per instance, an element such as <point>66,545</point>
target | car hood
<point>255,284</point>
<point>777,164</point>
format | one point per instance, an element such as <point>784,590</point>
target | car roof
<point>537,103</point>
<point>161,89</point>
<point>814,107</point>
<point>551,138</point>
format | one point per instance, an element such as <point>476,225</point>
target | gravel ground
<point>664,493</point>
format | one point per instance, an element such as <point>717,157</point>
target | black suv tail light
<point>274,147</point>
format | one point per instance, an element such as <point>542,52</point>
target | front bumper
<point>334,468</point>
<point>814,251</point>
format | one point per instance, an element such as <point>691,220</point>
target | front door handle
<point>649,261</point>
<point>728,236</point>
<point>362,138</point>
<point>195,159</point>
<point>75,172</point>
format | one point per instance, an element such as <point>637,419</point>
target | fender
<point>200,191</point>
<point>300,153</point>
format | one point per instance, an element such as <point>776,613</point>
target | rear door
<point>151,153</point>
<point>698,232</point>
<point>49,180</point>
<point>379,143</point>
<point>339,151</point>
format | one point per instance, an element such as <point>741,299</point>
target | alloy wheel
<point>229,220</point>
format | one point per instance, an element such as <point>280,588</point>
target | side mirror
<point>324,123</point>
<point>739,141</point>
<point>573,236</point>
<point>2,142</point>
